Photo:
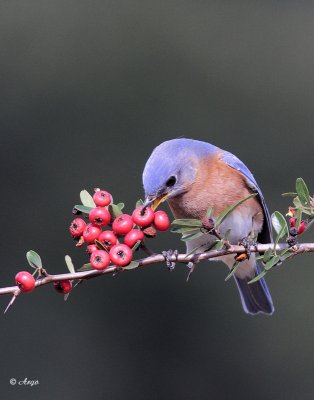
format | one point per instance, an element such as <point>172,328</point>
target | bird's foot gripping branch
<point>112,238</point>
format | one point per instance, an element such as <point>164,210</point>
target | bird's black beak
<point>154,201</point>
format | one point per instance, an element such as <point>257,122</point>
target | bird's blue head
<point>172,168</point>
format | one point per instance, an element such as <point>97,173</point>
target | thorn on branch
<point>192,265</point>
<point>11,302</point>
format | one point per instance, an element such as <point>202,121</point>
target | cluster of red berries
<point>293,223</point>
<point>104,246</point>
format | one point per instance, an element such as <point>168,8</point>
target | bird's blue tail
<point>255,297</point>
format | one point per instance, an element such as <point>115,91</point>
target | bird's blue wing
<point>266,235</point>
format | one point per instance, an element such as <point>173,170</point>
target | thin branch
<point>159,258</point>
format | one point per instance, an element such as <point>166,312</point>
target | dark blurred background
<point>88,89</point>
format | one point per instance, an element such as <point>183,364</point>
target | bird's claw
<point>168,258</point>
<point>246,242</point>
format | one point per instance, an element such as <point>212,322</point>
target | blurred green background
<point>88,89</point>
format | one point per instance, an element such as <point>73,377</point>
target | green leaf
<point>285,255</point>
<point>232,271</point>
<point>298,217</point>
<point>87,199</point>
<point>69,264</point>
<point>308,211</point>
<point>120,205</point>
<point>34,259</point>
<point>139,203</point>
<point>85,267</point>
<point>258,277</point>
<point>267,255</point>
<point>297,203</point>
<point>83,209</point>
<point>280,225</point>
<point>224,214</point>
<point>132,265</point>
<point>187,222</point>
<point>272,262</point>
<point>289,194</point>
<point>192,236</point>
<point>218,245</point>
<point>184,229</point>
<point>303,192</point>
<point>226,235</point>
<point>194,250</point>
<point>114,210</point>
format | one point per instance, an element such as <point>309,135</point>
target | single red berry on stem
<point>63,287</point>
<point>99,216</point>
<point>122,224</point>
<point>91,233</point>
<point>91,247</point>
<point>99,259</point>
<point>102,198</point>
<point>143,216</point>
<point>133,236</point>
<point>121,255</point>
<point>25,281</point>
<point>108,239</point>
<point>292,222</point>
<point>161,221</point>
<point>302,227</point>
<point>77,227</point>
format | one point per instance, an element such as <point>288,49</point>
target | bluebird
<point>193,176</point>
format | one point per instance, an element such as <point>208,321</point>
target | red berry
<point>302,227</point>
<point>143,216</point>
<point>108,239</point>
<point>100,259</point>
<point>102,198</point>
<point>63,287</point>
<point>122,224</point>
<point>133,236</point>
<point>99,216</point>
<point>161,221</point>
<point>77,227</point>
<point>91,247</point>
<point>292,222</point>
<point>91,233</point>
<point>121,255</point>
<point>25,281</point>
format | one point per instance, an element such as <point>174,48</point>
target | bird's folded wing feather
<point>231,160</point>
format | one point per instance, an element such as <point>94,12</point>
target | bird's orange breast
<point>216,185</point>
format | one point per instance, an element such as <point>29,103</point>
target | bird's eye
<point>171,181</point>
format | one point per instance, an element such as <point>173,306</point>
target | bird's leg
<point>192,265</point>
<point>168,258</point>
<point>246,242</point>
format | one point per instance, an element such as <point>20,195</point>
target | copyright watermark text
<point>24,382</point>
